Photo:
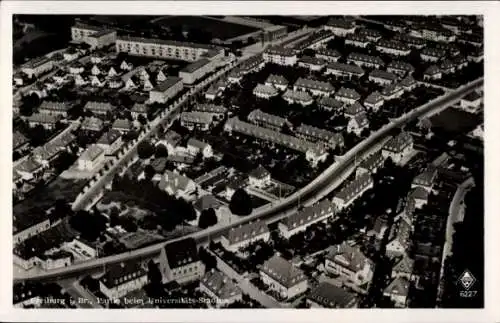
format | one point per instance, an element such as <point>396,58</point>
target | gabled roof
<point>399,142</point>
<point>181,252</point>
<point>283,272</point>
<point>175,181</point>
<point>373,161</point>
<point>400,65</point>
<point>220,285</point>
<point>419,193</point>
<point>18,139</point>
<point>354,109</point>
<point>349,257</point>
<point>206,202</point>
<point>259,172</point>
<point>346,68</point>
<point>357,38</point>
<point>139,108</point>
<point>120,274</point>
<point>122,124</point>
<point>399,286</point>
<point>197,143</point>
<point>314,84</point>
<point>197,117</point>
<point>391,89</point>
<point>348,93</point>
<point>431,70</point>
<point>425,178</point>
<point>43,118</point>
<point>297,96</point>
<point>328,52</point>
<point>340,23</point>
<point>92,123</point>
<point>246,231</point>
<point>265,89</point>
<point>212,108</point>
<point>393,44</point>
<point>92,152</point>
<point>365,58</point>
<point>405,265</point>
<point>308,214</point>
<point>54,106</point>
<point>259,116</point>
<point>109,137</point>
<point>330,296</point>
<point>361,120</point>
<point>383,75</point>
<point>374,98</point>
<point>276,79</point>
<point>330,102</point>
<point>167,84</point>
<point>408,81</point>
<point>311,60</point>
<point>354,187</point>
<point>98,106</point>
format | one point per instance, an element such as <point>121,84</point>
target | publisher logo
<point>467,280</point>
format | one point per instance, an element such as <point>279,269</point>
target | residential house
<point>392,91</point>
<point>95,70</point>
<point>277,81</point>
<point>245,234</point>
<point>398,147</point>
<point>139,109</point>
<point>54,260</point>
<point>370,164</point>
<point>76,68</point>
<point>91,157</point>
<point>122,125</point>
<point>400,68</point>
<point>382,77</point>
<point>166,90</point>
<point>344,70</point>
<point>471,102</point>
<point>301,220</point>
<point>48,121</point>
<point>19,142</point>
<point>212,92</point>
<point>176,184</point>
<point>357,40</point>
<point>357,124</point>
<point>340,27</point>
<point>29,169</point>
<point>420,196</point>
<point>425,179</point>
<point>401,243</point>
<point>195,147</point>
<point>365,60</point>
<point>235,76</point>
<point>432,54</point>
<point>197,70</point>
<point>374,101</point>
<point>326,295</point>
<point>347,95</point>
<point>328,55</point>
<point>432,73</point>
<point>352,110</point>
<point>265,91</point>
<point>92,124</point>
<point>121,279</point>
<point>447,67</point>
<point>38,66</point>
<point>403,268</point>
<point>313,64</point>
<point>280,55</point>
<point>408,83</point>
<point>115,82</point>
<point>220,288</point>
<point>98,107</point>
<point>330,104</point>
<point>283,277</point>
<point>267,120</point>
<point>352,190</point>
<point>397,291</point>
<point>318,135</point>
<point>393,47</point>
<point>300,97</point>
<point>349,263</point>
<point>110,141</point>
<point>370,34</point>
<point>180,262</point>
<point>200,120</point>
<point>413,42</point>
<point>314,86</point>
<point>259,177</point>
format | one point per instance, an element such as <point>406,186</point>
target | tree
<point>207,218</point>
<point>145,150</point>
<point>89,225</point>
<point>207,258</point>
<point>29,103</point>
<point>142,120</point>
<point>161,151</point>
<point>154,274</point>
<point>241,203</point>
<point>309,52</point>
<point>149,172</point>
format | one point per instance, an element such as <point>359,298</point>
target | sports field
<point>217,28</point>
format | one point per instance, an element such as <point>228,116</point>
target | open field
<point>218,29</point>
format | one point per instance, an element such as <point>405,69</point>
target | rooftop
<point>330,296</point>
<point>181,252</point>
<point>119,274</point>
<point>220,284</point>
<point>167,84</point>
<point>246,231</point>
<point>283,271</point>
<point>195,66</point>
<point>349,257</point>
<point>91,153</point>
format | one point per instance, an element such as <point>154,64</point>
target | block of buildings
<point>180,262</point>
<point>166,90</point>
<point>283,277</point>
<point>350,263</point>
<point>352,190</point>
<point>243,235</point>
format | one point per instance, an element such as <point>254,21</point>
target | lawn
<point>218,29</point>
<point>457,121</point>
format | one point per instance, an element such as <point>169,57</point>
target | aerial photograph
<point>213,162</point>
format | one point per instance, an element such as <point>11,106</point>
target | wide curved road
<point>306,194</point>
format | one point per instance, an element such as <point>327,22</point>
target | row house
<point>91,158</point>
<point>437,34</point>
<point>314,153</point>
<point>166,90</point>
<point>267,120</point>
<point>313,134</point>
<point>393,47</point>
<point>197,120</point>
<point>283,277</point>
<point>314,41</point>
<point>277,81</point>
<point>244,235</point>
<point>473,39</point>
<point>344,70</point>
<point>400,245</point>
<point>29,169</point>
<point>326,295</point>
<point>101,108</point>
<point>432,73</point>
<point>235,76</point>
<point>357,40</point>
<point>110,141</point>
<point>210,108</point>
<point>365,60</point>
<point>432,54</point>
<point>301,220</point>
<point>265,91</point>
<point>340,27</point>
<point>312,63</point>
<point>395,25</point>
<point>352,190</point>
<point>347,95</point>
<point>180,262</point>
<point>37,66</point>
<point>370,164</point>
<point>398,147</point>
<point>220,288</point>
<point>48,152</point>
<point>382,77</point>
<point>280,55</point>
<point>392,91</point>
<point>476,56</point>
<point>48,121</point>
<point>122,125</point>
<point>400,68</point>
<point>413,42</point>
<point>253,64</point>
<point>330,104</point>
<point>370,34</point>
<point>314,86</point>
<point>168,49</point>
<point>357,124</point>
<point>374,101</point>
<point>55,108</point>
<point>350,263</point>
<point>300,97</point>
<point>92,124</point>
<point>329,55</point>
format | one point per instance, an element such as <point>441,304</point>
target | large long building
<point>167,49</point>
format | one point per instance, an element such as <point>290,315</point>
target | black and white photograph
<point>273,161</point>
